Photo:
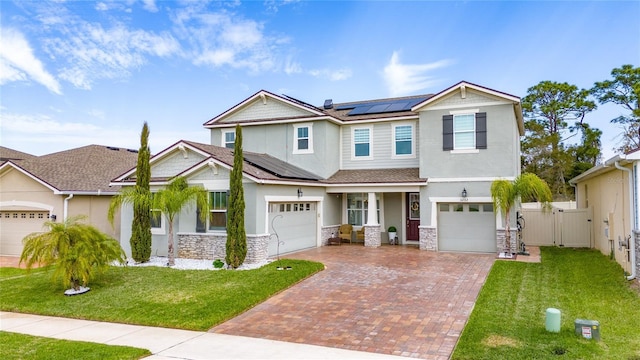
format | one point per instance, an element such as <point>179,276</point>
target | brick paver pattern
<point>393,300</point>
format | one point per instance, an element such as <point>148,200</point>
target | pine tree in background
<point>141,225</point>
<point>236,236</point>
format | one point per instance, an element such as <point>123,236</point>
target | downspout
<point>632,241</point>
<point>65,208</point>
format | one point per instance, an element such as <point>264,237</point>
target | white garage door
<point>295,224</point>
<point>466,227</point>
<point>15,225</point>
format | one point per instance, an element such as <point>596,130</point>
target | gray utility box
<point>588,329</point>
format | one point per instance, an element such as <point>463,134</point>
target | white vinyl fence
<point>557,227</point>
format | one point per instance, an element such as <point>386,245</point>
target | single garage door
<point>466,227</point>
<point>15,225</point>
<point>295,224</point>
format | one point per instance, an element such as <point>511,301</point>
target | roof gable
<point>265,106</point>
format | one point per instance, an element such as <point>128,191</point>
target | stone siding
<point>428,238</point>
<point>328,232</point>
<point>372,236</point>
<point>213,246</point>
<point>500,237</point>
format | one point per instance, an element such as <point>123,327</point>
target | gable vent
<point>328,104</point>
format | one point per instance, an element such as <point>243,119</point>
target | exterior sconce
<point>464,194</point>
<point>52,217</point>
<point>299,192</point>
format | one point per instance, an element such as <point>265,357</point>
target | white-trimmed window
<point>303,138</point>
<point>362,144</point>
<point>218,210</point>
<point>464,131</point>
<point>228,138</point>
<point>403,140</point>
<point>358,208</point>
<point>157,222</point>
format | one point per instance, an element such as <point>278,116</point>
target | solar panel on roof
<point>380,107</point>
<point>278,167</point>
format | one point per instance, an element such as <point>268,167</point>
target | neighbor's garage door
<point>466,227</point>
<point>15,225</point>
<point>295,224</point>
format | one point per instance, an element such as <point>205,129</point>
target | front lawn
<point>19,347</point>
<point>508,320</point>
<point>154,296</point>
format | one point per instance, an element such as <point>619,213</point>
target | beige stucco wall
<point>608,195</point>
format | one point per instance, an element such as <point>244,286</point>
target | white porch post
<point>372,208</point>
<point>372,227</point>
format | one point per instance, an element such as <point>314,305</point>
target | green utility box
<point>588,329</point>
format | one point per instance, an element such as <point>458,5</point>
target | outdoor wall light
<point>52,217</point>
<point>464,193</point>
<point>299,192</point>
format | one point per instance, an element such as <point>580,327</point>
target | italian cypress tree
<point>141,225</point>
<point>236,236</point>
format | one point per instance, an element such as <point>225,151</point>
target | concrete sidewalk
<point>172,343</point>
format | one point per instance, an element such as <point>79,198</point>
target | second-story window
<point>464,131</point>
<point>228,139</point>
<point>362,143</point>
<point>303,139</point>
<point>403,140</point>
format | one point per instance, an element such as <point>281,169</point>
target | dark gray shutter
<point>201,226</point>
<point>447,132</point>
<point>481,130</point>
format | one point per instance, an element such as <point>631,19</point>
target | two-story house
<point>423,164</point>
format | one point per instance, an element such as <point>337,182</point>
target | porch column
<point>372,227</point>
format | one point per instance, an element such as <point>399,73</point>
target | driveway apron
<point>393,300</point>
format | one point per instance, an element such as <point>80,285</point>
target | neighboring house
<point>35,189</point>
<point>611,191</point>
<point>423,164</point>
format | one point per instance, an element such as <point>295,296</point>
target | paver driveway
<point>394,300</point>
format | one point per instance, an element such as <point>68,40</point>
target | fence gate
<point>557,227</point>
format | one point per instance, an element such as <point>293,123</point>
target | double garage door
<point>466,227</point>
<point>15,225</point>
<point>295,224</point>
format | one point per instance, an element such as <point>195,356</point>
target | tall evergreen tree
<point>623,90</point>
<point>236,235</point>
<point>140,197</point>
<point>141,225</point>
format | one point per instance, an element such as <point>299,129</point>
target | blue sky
<point>79,73</point>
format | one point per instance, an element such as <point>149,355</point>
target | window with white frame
<point>464,131</point>
<point>358,208</point>
<point>218,210</point>
<point>303,138</point>
<point>362,143</point>
<point>228,139</point>
<point>403,142</point>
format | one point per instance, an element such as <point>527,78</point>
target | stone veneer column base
<point>428,238</point>
<point>214,246</point>
<point>372,236</point>
<point>500,237</point>
<point>328,232</point>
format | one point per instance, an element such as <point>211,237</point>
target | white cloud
<point>150,5</point>
<point>333,75</point>
<point>404,79</point>
<point>18,62</point>
<point>91,52</point>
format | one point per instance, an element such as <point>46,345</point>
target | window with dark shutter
<point>481,130</point>
<point>447,132</point>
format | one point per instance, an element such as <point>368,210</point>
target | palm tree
<point>78,251</point>
<point>172,199</point>
<point>505,194</point>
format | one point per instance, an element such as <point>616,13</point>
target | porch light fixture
<point>299,192</point>
<point>464,193</point>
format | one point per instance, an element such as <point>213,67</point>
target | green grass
<point>508,320</point>
<point>19,346</point>
<point>154,296</point>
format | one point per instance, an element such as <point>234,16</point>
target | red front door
<point>413,216</point>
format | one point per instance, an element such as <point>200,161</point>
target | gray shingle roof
<point>7,154</point>
<point>84,169</point>
<point>376,176</point>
